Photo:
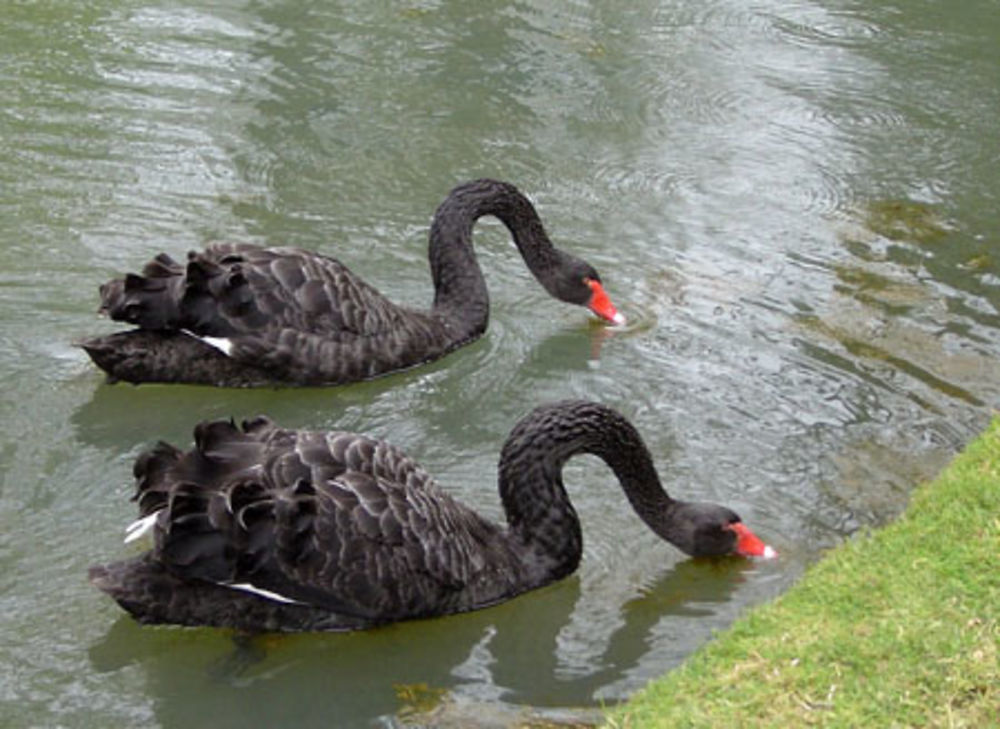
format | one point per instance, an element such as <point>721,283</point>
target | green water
<point>795,203</point>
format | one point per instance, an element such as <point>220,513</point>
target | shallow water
<point>794,203</point>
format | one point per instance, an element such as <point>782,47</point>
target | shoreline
<point>896,627</point>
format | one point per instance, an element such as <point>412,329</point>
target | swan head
<point>575,281</point>
<point>708,530</point>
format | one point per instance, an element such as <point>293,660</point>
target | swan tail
<point>143,355</point>
<point>151,594</point>
<point>134,584</point>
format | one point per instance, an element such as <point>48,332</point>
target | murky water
<point>794,202</point>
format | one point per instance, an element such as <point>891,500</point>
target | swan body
<point>265,529</point>
<point>245,315</point>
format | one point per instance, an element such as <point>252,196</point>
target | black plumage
<point>291,316</point>
<point>264,529</point>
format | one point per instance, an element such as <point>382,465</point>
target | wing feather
<point>284,310</point>
<point>337,521</point>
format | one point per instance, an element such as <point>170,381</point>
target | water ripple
<point>793,204</point>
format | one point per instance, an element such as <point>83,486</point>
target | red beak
<point>749,544</point>
<point>601,305</point>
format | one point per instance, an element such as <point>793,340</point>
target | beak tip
<point>618,318</point>
<point>769,552</point>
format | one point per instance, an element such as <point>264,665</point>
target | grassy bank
<point>896,628</point>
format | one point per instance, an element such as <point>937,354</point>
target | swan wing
<point>241,289</point>
<point>336,521</point>
<point>299,314</point>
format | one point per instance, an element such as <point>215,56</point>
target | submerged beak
<point>601,305</point>
<point>749,544</point>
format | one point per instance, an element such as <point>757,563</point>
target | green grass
<point>897,628</point>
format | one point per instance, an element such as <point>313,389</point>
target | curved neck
<point>460,289</point>
<point>542,522</point>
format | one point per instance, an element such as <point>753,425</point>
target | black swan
<point>241,315</point>
<point>266,529</point>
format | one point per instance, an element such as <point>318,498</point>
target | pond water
<point>794,202</point>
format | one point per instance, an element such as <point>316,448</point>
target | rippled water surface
<point>795,203</point>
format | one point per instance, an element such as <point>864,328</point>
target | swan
<point>237,314</point>
<point>262,529</point>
